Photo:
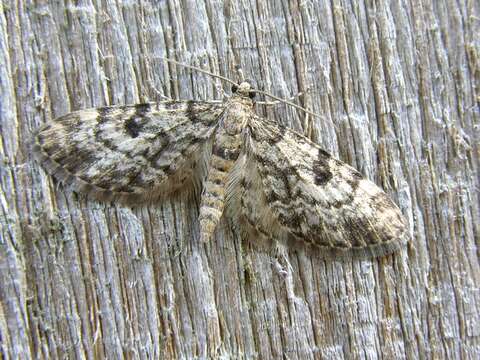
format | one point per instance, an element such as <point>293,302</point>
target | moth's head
<point>244,90</point>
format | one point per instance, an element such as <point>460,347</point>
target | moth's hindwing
<point>132,154</point>
<point>291,187</point>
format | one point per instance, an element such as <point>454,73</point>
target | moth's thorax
<point>228,137</point>
<point>238,110</point>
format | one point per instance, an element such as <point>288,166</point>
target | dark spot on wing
<point>81,158</point>
<point>103,112</point>
<point>190,112</point>
<point>267,133</point>
<point>132,127</point>
<point>323,153</point>
<point>142,109</point>
<point>277,137</point>
<point>163,141</point>
<point>169,169</point>
<point>293,221</point>
<point>134,178</point>
<point>271,197</point>
<point>282,173</point>
<point>321,168</point>
<point>174,105</point>
<point>275,133</point>
<point>98,132</point>
<point>134,124</point>
<point>338,204</point>
<point>354,180</point>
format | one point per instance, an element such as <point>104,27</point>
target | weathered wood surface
<point>397,85</point>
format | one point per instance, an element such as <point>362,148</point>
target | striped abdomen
<point>225,151</point>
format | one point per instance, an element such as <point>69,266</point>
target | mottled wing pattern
<point>289,185</point>
<point>133,153</point>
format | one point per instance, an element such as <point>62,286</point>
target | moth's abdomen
<point>213,198</point>
<point>225,152</point>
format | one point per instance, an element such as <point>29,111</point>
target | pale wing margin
<point>292,188</point>
<point>134,153</point>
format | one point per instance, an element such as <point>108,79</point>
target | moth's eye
<point>252,94</point>
<point>234,88</point>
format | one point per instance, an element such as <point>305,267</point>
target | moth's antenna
<point>234,83</point>
<point>287,102</point>
<point>201,70</point>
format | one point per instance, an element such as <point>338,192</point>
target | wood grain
<point>397,85</point>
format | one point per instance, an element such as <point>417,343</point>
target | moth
<point>272,181</point>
